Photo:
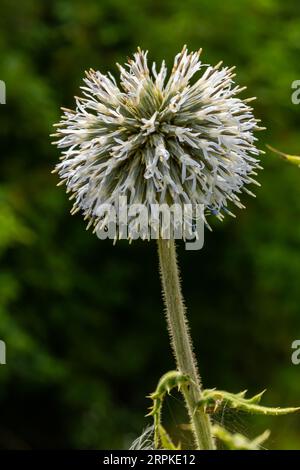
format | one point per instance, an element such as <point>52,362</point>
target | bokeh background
<point>82,319</point>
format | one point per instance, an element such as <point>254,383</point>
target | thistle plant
<point>153,139</point>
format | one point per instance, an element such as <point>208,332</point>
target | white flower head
<point>181,140</point>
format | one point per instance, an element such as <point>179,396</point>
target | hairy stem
<point>181,343</point>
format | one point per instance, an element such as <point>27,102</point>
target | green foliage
<point>169,381</point>
<point>216,398</point>
<point>210,402</point>
<point>236,441</point>
<point>82,319</point>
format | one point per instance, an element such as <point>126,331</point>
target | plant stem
<point>181,343</point>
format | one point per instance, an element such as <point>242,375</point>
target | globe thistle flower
<point>181,140</point>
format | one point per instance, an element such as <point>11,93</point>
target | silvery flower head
<point>152,139</point>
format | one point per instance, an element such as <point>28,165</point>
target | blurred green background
<point>82,319</point>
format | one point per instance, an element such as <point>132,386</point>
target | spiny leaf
<point>215,398</point>
<point>169,381</point>
<point>238,441</point>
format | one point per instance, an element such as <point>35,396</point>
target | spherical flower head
<point>181,140</point>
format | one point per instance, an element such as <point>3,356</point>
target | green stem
<point>181,343</point>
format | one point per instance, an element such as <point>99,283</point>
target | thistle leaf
<point>169,381</point>
<point>214,398</point>
<point>238,441</point>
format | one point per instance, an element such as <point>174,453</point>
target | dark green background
<point>82,319</point>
